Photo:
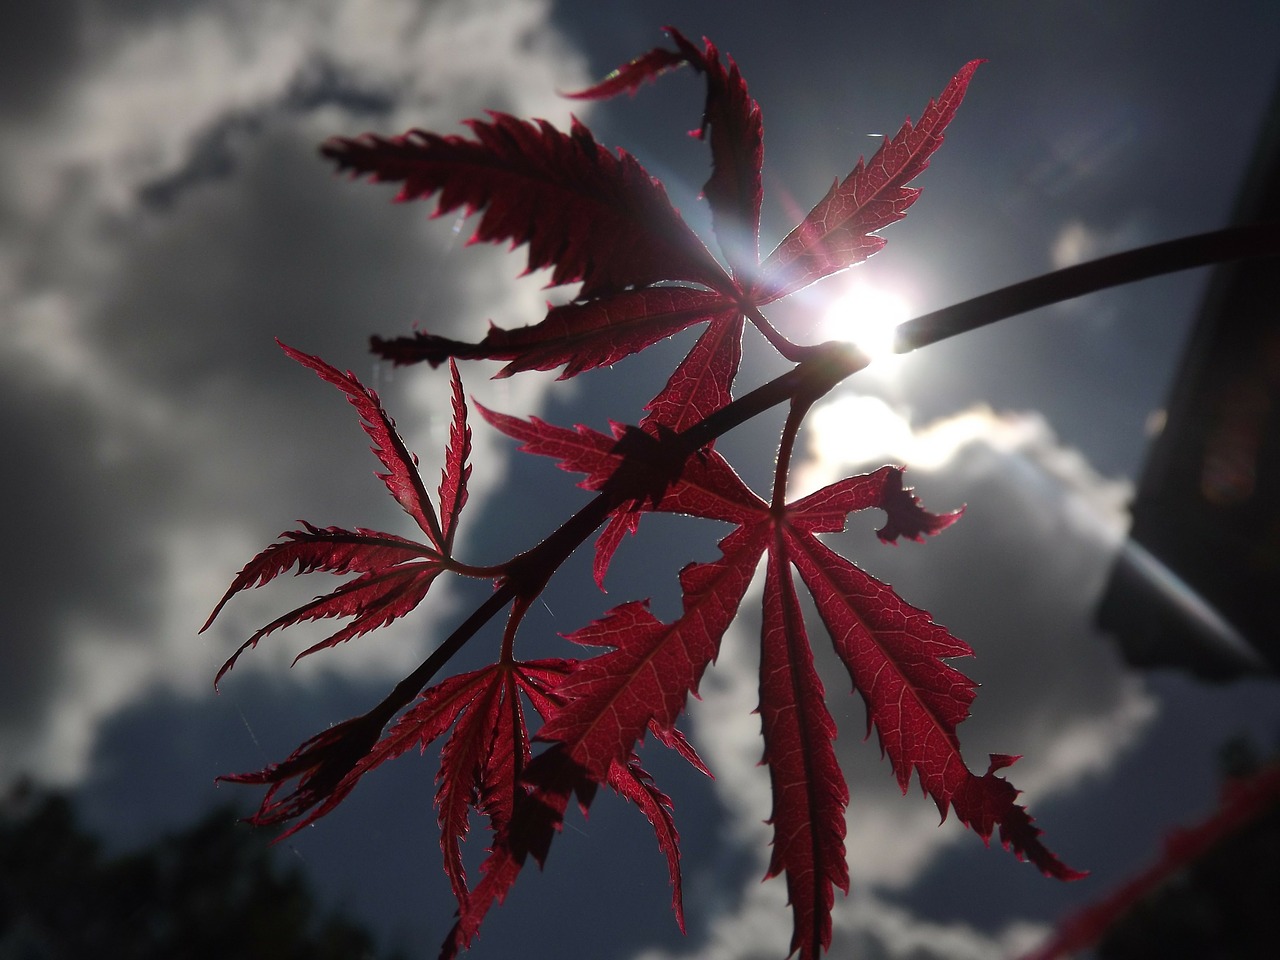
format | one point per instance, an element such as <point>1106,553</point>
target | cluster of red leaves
<point>597,218</point>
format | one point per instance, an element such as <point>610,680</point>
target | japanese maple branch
<point>526,575</point>
<point>827,365</point>
<point>1202,250</point>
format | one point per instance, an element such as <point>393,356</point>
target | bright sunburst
<point>868,317</point>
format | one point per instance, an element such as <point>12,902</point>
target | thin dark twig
<point>1234,243</point>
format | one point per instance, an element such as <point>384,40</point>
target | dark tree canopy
<point>213,890</point>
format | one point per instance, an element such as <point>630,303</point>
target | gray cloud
<point>164,217</point>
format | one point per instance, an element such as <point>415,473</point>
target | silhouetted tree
<point>211,891</point>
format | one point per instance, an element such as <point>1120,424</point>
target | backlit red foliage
<point>596,217</point>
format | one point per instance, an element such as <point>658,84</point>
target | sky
<point>164,215</point>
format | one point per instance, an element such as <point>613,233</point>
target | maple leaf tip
<point>1001,760</point>
<point>292,352</point>
<point>225,669</point>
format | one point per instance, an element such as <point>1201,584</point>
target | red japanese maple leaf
<point>597,218</point>
<point>895,655</point>
<point>395,573</point>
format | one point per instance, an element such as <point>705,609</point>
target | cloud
<point>863,926</point>
<point>1018,578</point>
<point>162,217</point>
<point>1077,242</point>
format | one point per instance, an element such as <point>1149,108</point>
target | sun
<point>866,316</point>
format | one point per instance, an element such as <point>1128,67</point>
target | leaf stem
<point>795,414</point>
<point>790,351</point>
